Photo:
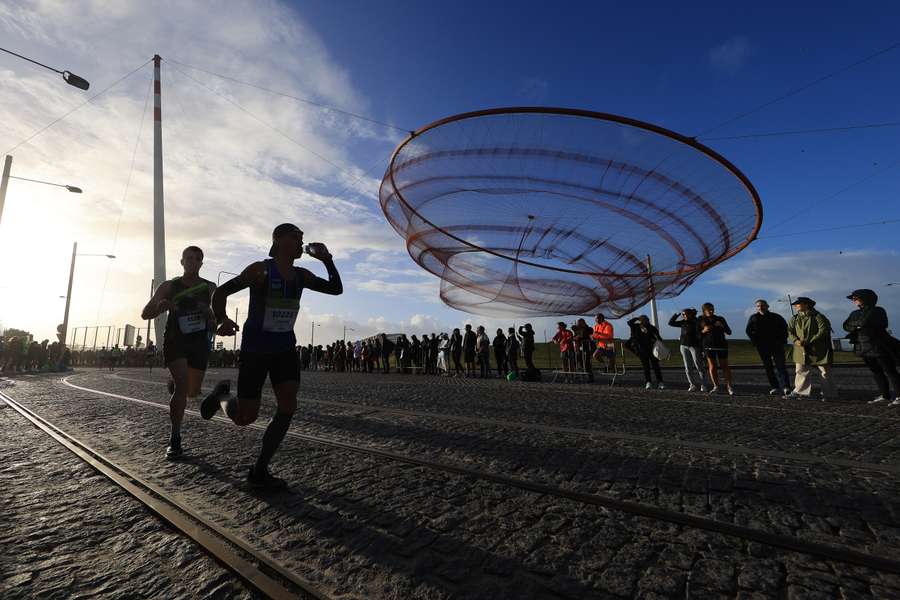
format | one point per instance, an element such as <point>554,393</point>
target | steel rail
<point>784,542</point>
<point>214,539</point>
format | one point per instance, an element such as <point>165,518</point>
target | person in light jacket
<point>691,349</point>
<point>810,333</point>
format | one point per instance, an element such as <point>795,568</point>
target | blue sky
<point>687,69</point>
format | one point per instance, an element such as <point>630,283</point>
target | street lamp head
<point>110,256</point>
<point>73,189</point>
<point>74,80</point>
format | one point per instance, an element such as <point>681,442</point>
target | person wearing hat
<point>691,349</point>
<point>867,330</point>
<point>810,333</point>
<point>269,345</point>
<point>768,334</point>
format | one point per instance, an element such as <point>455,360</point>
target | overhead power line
<point>805,86</point>
<point>800,131</point>
<point>88,101</point>
<point>293,97</point>
<point>854,226</point>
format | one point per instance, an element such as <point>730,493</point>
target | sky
<point>239,160</point>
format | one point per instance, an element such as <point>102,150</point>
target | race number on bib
<point>281,314</point>
<point>192,322</point>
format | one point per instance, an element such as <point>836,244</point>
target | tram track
<point>803,457</point>
<point>791,543</point>
<point>259,571</point>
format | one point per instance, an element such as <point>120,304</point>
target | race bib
<point>281,314</point>
<point>192,322</point>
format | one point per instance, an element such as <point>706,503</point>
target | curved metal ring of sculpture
<point>548,211</point>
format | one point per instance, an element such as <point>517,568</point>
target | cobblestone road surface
<point>369,527</point>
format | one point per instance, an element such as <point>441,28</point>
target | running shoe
<point>730,390</point>
<point>786,391</point>
<point>174,450</point>
<point>877,400</point>
<point>702,388</point>
<point>693,388</point>
<point>714,389</point>
<point>661,385</point>
<point>895,402</point>
<point>648,386</point>
<point>265,480</point>
<point>774,391</point>
<point>210,404</point>
<point>171,386</point>
<point>793,396</point>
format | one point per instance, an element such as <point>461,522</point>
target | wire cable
<point>297,98</point>
<point>854,226</point>
<point>801,131</point>
<point>803,87</point>
<point>125,195</point>
<point>88,101</point>
<point>264,123</point>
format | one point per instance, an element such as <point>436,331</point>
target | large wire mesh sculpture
<point>545,211</point>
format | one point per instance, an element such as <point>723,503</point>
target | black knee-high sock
<point>275,432</point>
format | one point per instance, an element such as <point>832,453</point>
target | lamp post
<point>346,329</point>
<point>68,77</point>
<point>65,324</point>
<point>4,182</point>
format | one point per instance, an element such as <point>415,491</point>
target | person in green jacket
<point>810,333</point>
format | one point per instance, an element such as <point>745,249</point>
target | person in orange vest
<point>603,337</point>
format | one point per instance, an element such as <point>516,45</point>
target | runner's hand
<point>319,251</point>
<point>228,327</point>
<point>164,305</point>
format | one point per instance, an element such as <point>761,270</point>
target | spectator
<point>499,345</point>
<point>867,329</point>
<point>564,339</point>
<point>456,341</point>
<point>512,351</point>
<point>483,348</point>
<point>527,334</point>
<point>444,355</point>
<point>469,351</point>
<point>712,330</point>
<point>810,331</point>
<point>386,347</point>
<point>768,333</point>
<point>643,337</point>
<point>581,338</point>
<point>603,337</point>
<point>691,348</point>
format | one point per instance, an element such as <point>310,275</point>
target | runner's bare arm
<point>332,286</point>
<point>159,303</point>
<point>252,275</point>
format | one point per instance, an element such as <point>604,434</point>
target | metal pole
<point>84,341</point>
<point>159,227</point>
<point>96,331</point>
<point>234,342</point>
<point>74,335</point>
<point>790,303</point>
<point>654,315</point>
<point>4,181</point>
<point>108,334</point>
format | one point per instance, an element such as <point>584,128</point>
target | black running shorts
<point>255,366</point>
<point>194,348</point>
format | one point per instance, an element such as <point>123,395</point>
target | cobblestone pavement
<point>368,527</point>
<point>67,532</point>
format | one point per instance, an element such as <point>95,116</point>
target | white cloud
<point>826,276</point>
<point>228,179</point>
<point>731,55</point>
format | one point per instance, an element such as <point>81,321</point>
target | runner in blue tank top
<point>269,346</point>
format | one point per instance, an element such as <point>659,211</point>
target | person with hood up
<point>810,333</point>
<point>867,331</point>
